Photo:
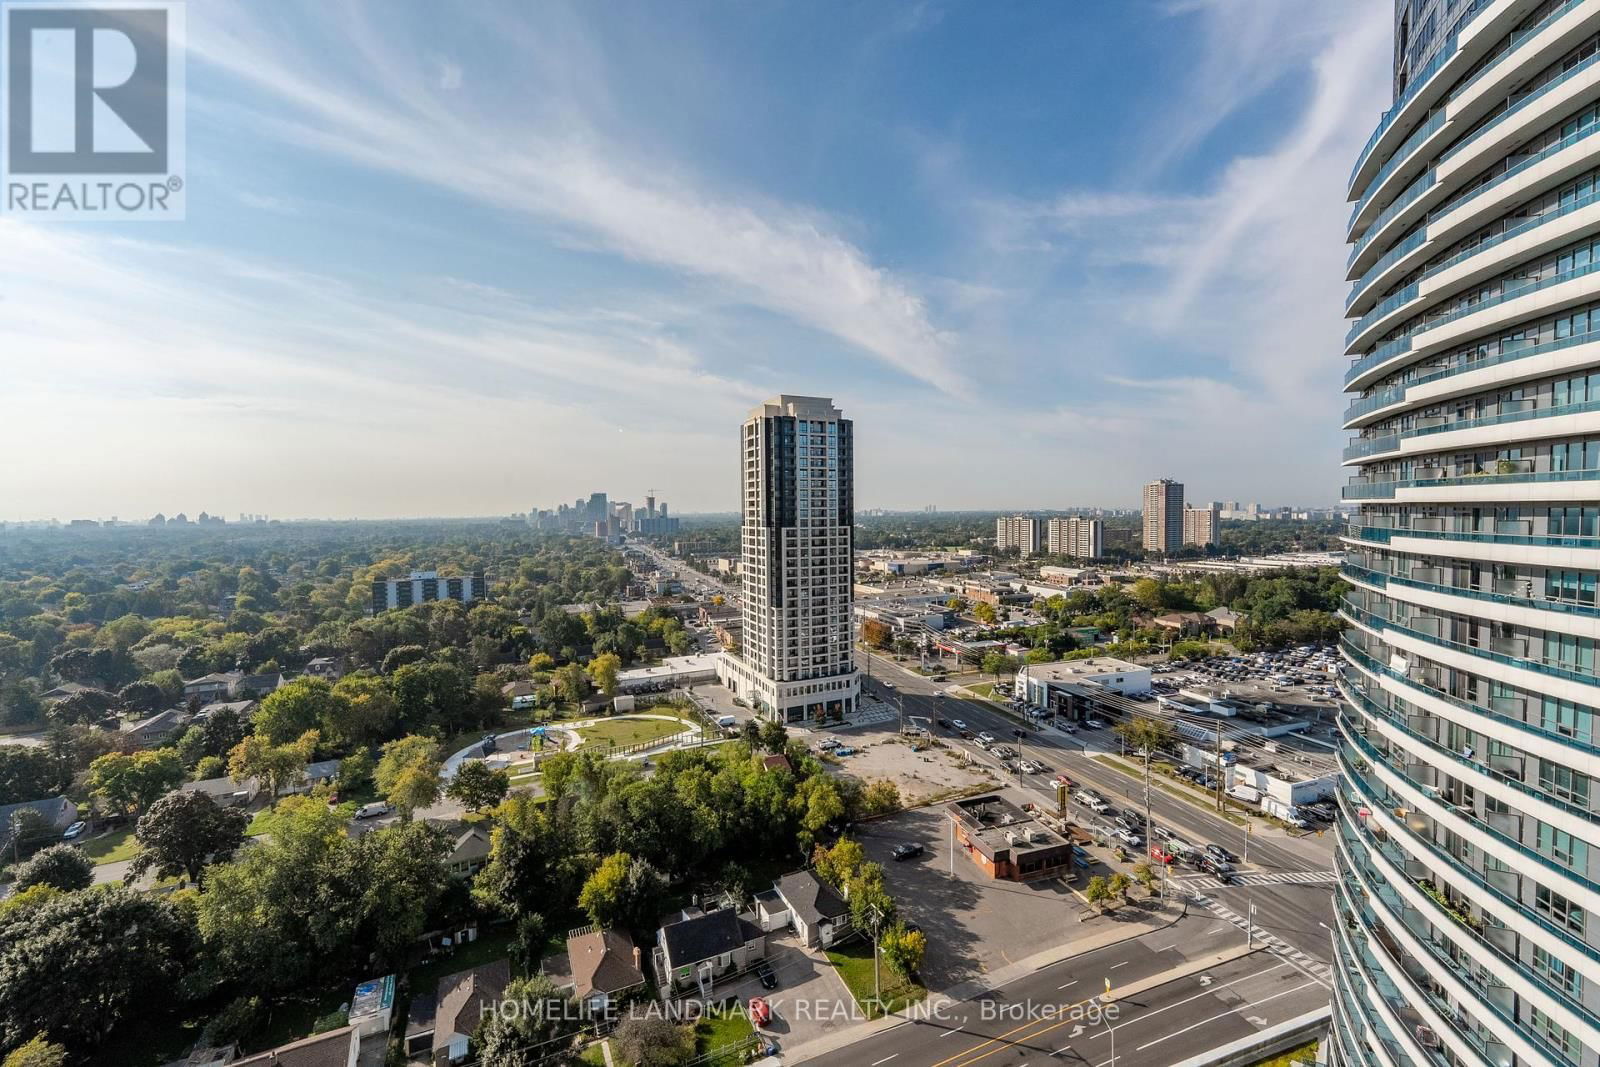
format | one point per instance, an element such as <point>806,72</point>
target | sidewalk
<point>963,991</point>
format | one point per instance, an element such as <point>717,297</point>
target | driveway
<point>811,1000</point>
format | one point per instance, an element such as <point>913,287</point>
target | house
<point>818,914</point>
<point>694,946</point>
<point>519,688</point>
<point>209,688</point>
<point>55,814</point>
<point>421,1018</point>
<point>1185,623</point>
<point>154,729</point>
<point>225,791</point>
<point>257,686</point>
<point>777,763</point>
<point>460,1001</point>
<point>336,1048</point>
<point>1225,619</point>
<point>329,668</point>
<point>600,966</point>
<point>322,772</point>
<point>469,853</point>
<point>63,691</point>
<point>240,708</point>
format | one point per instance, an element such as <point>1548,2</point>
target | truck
<point>1286,812</point>
<point>1247,793</point>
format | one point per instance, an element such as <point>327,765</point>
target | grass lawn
<point>594,1053</point>
<point>1306,1053</point>
<point>729,1029</point>
<point>490,946</point>
<point>628,731</point>
<point>854,964</point>
<point>114,847</point>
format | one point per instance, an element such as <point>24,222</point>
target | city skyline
<point>606,294</point>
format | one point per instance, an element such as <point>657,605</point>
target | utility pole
<point>1217,765</point>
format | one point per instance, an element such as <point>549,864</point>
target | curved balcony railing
<point>1510,843</point>
<point>1515,109</point>
<point>1390,442</point>
<point>1384,262</point>
<point>1358,655</point>
<point>1380,355</point>
<point>1383,535</point>
<point>1360,406</point>
<point>1384,307</point>
<point>1378,578</point>
<point>1365,878</point>
<point>1401,155</point>
<point>1407,197</point>
<point>1369,490</point>
<point>1570,673</point>
<point>1398,721</point>
<point>1370,794</point>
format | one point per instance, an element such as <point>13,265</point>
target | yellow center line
<point>999,1038</point>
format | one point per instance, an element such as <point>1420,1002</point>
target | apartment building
<point>1163,516</point>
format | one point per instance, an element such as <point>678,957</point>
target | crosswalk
<point>1275,944</point>
<point>1206,881</point>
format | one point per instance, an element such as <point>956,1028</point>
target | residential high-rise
<point>1202,526</point>
<point>1163,516</point>
<point>1075,536</point>
<point>797,538</point>
<point>421,586</point>
<point>1468,898</point>
<point>1021,532</point>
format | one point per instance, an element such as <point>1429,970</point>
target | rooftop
<point>995,825</point>
<point>1078,670</point>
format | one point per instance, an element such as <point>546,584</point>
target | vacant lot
<point>934,773</point>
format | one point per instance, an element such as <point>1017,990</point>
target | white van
<point>373,810</point>
<point>725,721</point>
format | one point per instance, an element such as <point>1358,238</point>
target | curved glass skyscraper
<point>1468,905</point>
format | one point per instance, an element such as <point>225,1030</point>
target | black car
<point>764,972</point>
<point>1217,852</point>
<point>907,851</point>
<point>945,723</point>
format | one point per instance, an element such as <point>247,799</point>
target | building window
<point>1554,1033</point>
<point>1563,847</point>
<point>1557,972</point>
<point>1559,909</point>
<point>1564,782</point>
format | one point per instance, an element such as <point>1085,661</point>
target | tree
<point>37,1052</point>
<point>295,707</point>
<point>622,892</point>
<point>184,831</point>
<point>356,771</point>
<point>61,866</point>
<point>81,708</point>
<point>476,786</point>
<point>876,634</point>
<point>984,612</point>
<point>130,783</point>
<point>538,1033</point>
<point>603,671</point>
<point>275,766</point>
<point>838,865</point>
<point>774,736</point>
<point>401,656</point>
<point>127,955</point>
<point>28,773</point>
<point>998,663</point>
<point>903,949</point>
<point>653,1041</point>
<point>880,798</point>
<point>1146,877</point>
<point>144,697</point>
<point>571,683</point>
<point>1117,886</point>
<point>1097,892</point>
<point>527,945</point>
<point>365,712</point>
<point>408,774</point>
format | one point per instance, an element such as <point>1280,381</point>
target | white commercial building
<point>1468,842</point>
<point>797,458</point>
<point>1035,680</point>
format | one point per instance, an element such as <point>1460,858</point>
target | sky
<point>471,259</point>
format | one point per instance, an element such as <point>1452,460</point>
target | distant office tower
<point>598,509</point>
<point>1202,526</point>
<point>1468,888</point>
<point>1075,536</point>
<point>1163,516</point>
<point>797,539</point>
<point>1020,532</point>
<point>420,586</point>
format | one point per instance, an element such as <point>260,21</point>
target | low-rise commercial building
<point>1008,842</point>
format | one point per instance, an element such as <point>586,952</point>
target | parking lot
<point>974,924</point>
<point>810,1000</point>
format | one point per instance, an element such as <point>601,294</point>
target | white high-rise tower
<point>797,463</point>
<point>1468,900</point>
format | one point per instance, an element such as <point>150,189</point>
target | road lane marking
<point>886,1059</point>
<point>1071,983</point>
<point>1224,1015</point>
<point>1114,966</point>
<point>947,1033</point>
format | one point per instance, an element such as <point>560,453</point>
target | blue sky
<point>466,259</point>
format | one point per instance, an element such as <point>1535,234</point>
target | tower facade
<point>797,542</point>
<point>1467,928</point>
<point>1163,516</point>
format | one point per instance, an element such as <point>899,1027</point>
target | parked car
<point>373,810</point>
<point>764,972</point>
<point>1128,837</point>
<point>958,724</point>
<point>985,738</point>
<point>75,831</point>
<point>1096,724</point>
<point>760,1011</point>
<point>907,850</point>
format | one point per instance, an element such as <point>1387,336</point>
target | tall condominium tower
<point>1076,536</point>
<point>797,465</point>
<point>1468,902</point>
<point>1021,532</point>
<point>1163,516</point>
<point>1202,526</point>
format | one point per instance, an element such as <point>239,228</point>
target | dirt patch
<point>932,774</point>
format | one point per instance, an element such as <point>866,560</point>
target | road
<point>1056,1013</point>
<point>1286,879</point>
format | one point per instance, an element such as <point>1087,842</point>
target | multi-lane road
<point>1287,879</point>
